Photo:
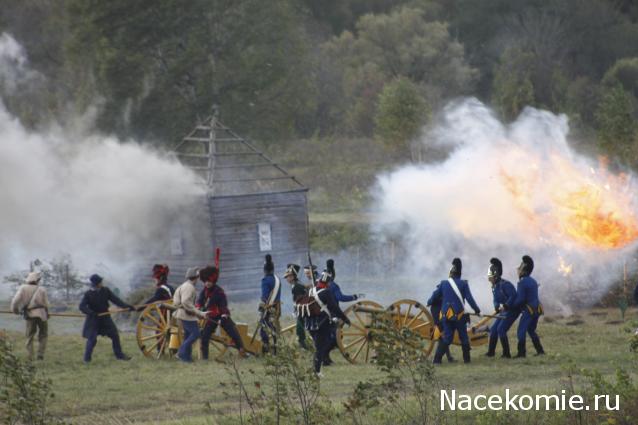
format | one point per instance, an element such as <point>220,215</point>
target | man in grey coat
<point>31,300</point>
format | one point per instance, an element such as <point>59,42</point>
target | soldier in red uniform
<point>213,300</point>
<point>163,291</point>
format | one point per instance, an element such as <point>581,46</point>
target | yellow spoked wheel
<point>356,341</point>
<point>412,315</point>
<point>158,333</point>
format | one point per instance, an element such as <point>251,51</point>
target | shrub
<point>24,395</point>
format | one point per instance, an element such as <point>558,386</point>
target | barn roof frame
<point>230,165</point>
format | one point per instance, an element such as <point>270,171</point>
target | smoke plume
<point>505,191</point>
<point>65,189</point>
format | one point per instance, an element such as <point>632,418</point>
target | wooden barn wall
<point>230,223</point>
<point>234,224</point>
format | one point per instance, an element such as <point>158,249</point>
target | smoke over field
<point>509,190</point>
<point>66,190</point>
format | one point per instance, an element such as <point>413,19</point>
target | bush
<point>24,395</point>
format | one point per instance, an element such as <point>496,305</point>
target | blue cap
<point>95,279</point>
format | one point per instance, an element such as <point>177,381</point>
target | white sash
<point>275,291</point>
<point>167,289</point>
<point>315,294</point>
<point>456,291</point>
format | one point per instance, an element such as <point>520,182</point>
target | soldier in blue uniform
<point>530,306</point>
<point>270,306</point>
<point>319,309</point>
<point>330,274</point>
<point>435,309</point>
<point>96,301</point>
<point>454,292</point>
<point>503,293</point>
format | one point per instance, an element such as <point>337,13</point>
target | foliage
<point>616,124</point>
<point>513,88</point>
<point>177,58</point>
<point>408,378</point>
<point>625,73</point>
<point>406,42</point>
<point>24,395</point>
<point>288,391</point>
<point>401,113</point>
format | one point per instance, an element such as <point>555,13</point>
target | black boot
<point>506,348</point>
<point>521,349</point>
<point>450,359</point>
<point>491,348</point>
<point>466,353</point>
<point>537,345</point>
<point>440,350</point>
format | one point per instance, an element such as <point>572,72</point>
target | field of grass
<point>168,392</point>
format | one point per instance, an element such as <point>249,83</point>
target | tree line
<point>287,69</point>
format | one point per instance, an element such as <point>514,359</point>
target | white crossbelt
<point>457,291</point>
<point>275,291</point>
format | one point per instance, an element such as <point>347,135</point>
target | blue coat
<point>434,302</point>
<point>450,303</point>
<point>338,295</point>
<point>503,292</point>
<point>267,286</point>
<point>526,294</point>
<point>94,302</point>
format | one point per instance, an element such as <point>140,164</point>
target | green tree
<point>625,73</point>
<point>401,113</point>
<point>513,88</point>
<point>158,65</point>
<point>407,42</point>
<point>616,123</point>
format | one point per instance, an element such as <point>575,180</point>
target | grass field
<point>168,392</point>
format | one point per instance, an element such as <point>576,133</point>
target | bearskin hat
<point>495,269</point>
<point>457,267</point>
<point>269,267</point>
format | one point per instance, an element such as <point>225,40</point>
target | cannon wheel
<point>354,341</point>
<point>218,343</point>
<point>412,315</point>
<point>155,326</point>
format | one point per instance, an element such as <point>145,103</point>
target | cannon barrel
<point>370,310</point>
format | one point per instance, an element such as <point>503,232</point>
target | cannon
<point>159,334</point>
<point>356,342</point>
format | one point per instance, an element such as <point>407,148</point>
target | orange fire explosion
<point>592,209</point>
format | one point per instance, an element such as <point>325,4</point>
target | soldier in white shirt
<point>32,302</point>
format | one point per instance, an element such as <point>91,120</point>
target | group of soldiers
<point>447,305</point>
<point>316,303</point>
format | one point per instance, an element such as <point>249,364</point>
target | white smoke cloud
<point>68,190</point>
<point>14,69</point>
<point>505,191</point>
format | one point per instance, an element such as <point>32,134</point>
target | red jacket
<point>213,300</point>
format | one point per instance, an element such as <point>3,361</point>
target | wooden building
<point>251,207</point>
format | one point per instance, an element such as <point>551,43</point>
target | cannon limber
<point>159,334</point>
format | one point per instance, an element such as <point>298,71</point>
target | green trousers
<point>41,327</point>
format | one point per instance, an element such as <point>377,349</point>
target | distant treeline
<point>284,69</point>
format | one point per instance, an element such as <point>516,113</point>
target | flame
<point>590,207</point>
<point>564,268</point>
